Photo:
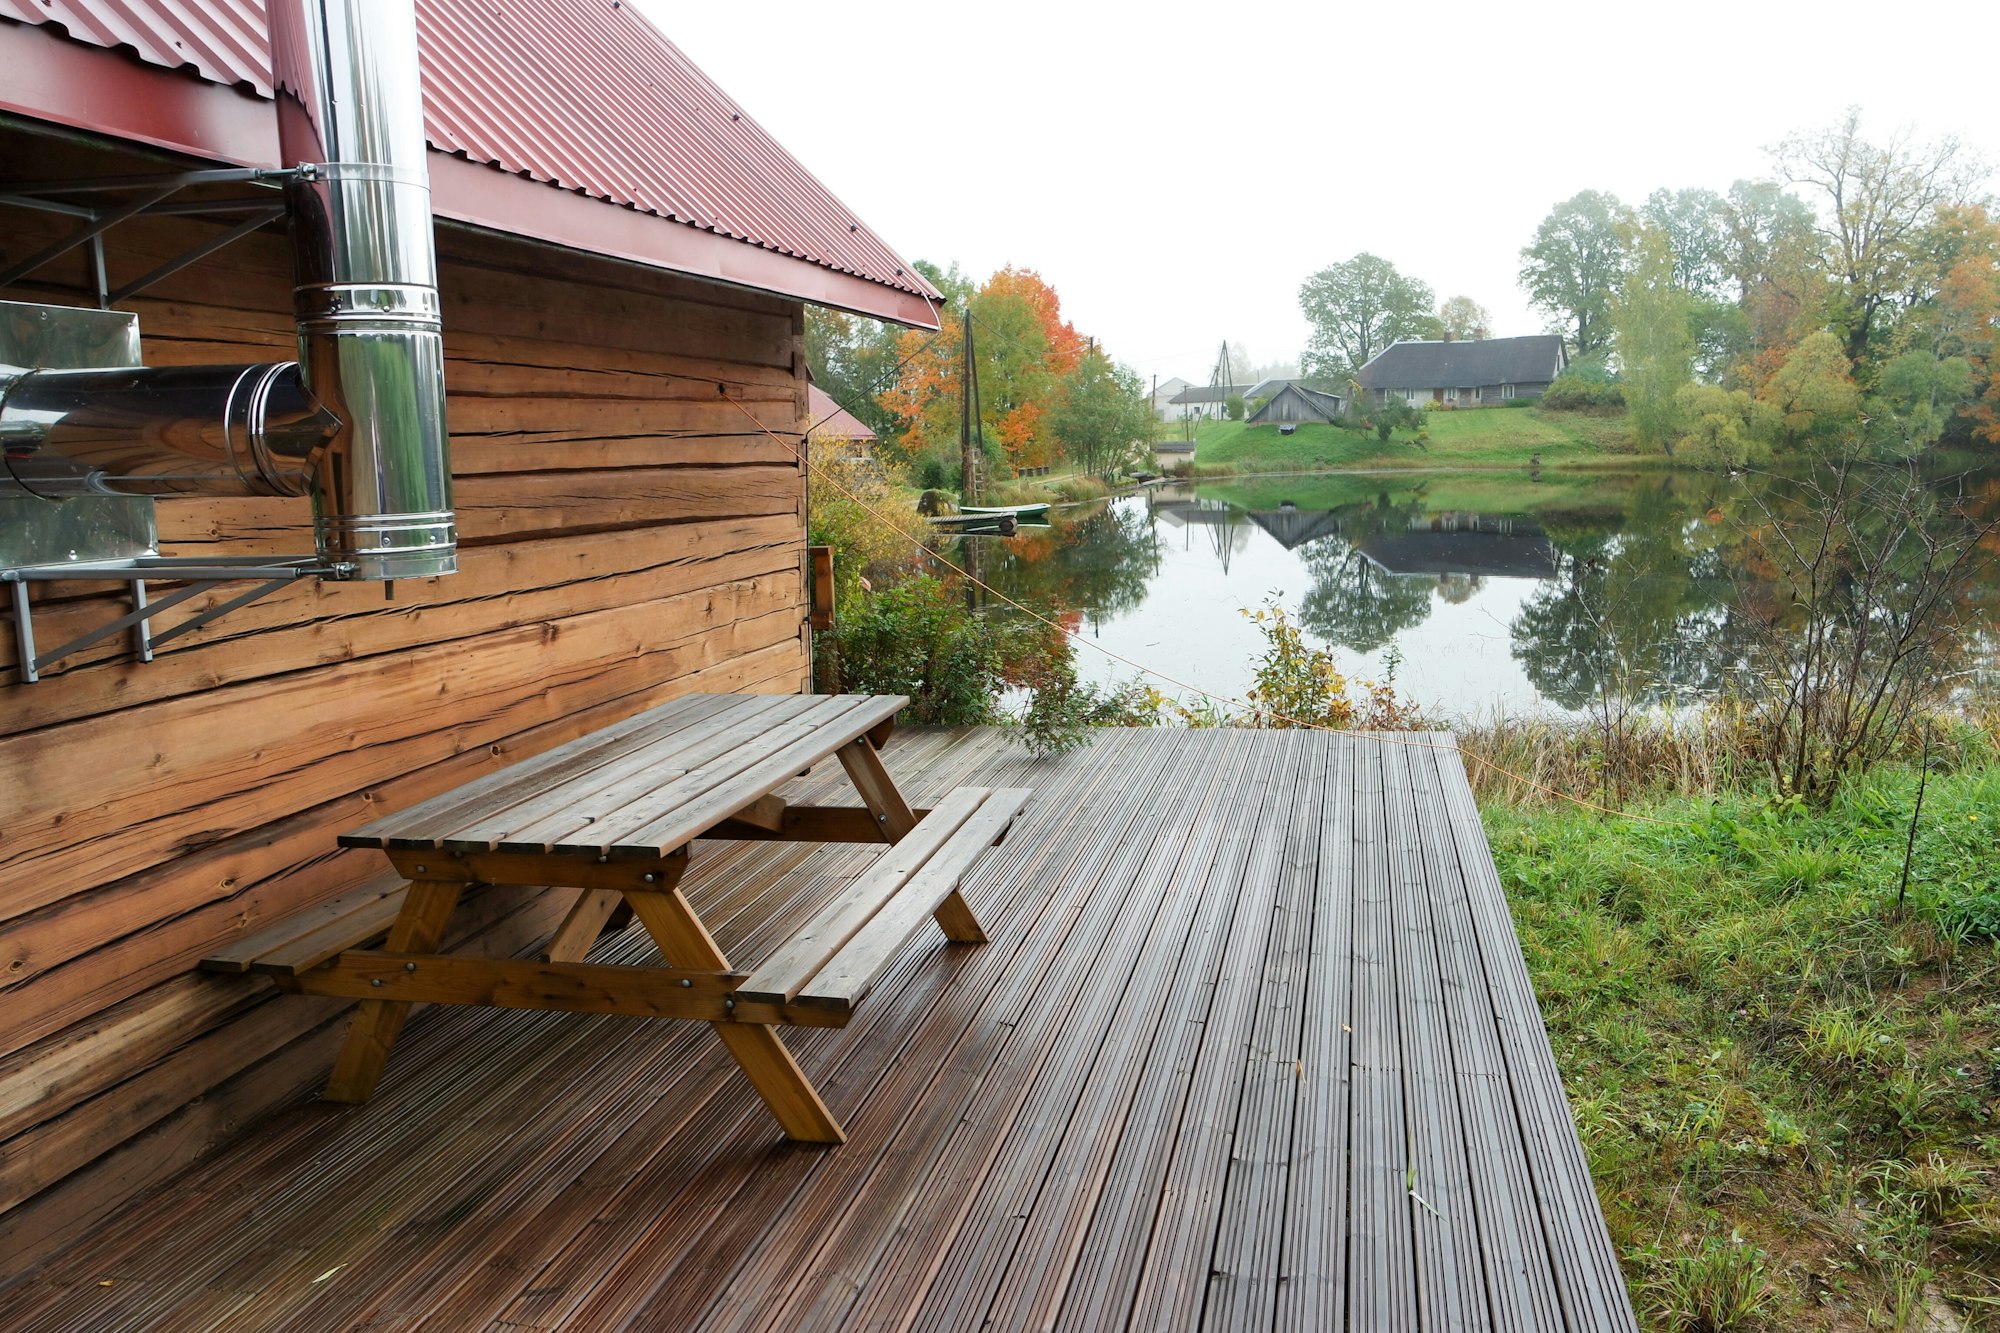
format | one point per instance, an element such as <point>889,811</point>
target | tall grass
<point>1541,759</point>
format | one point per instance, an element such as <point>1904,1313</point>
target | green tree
<point>1813,392</point>
<point>1572,267</point>
<point>854,359</point>
<point>1101,413</point>
<point>1695,224</point>
<point>1916,396</point>
<point>1357,308</point>
<point>1723,427</point>
<point>1653,317</point>
<point>1461,319</point>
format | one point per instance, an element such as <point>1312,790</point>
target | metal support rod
<point>100,278</point>
<point>123,623</point>
<point>171,181</point>
<point>12,200</point>
<point>143,631</point>
<point>200,576</point>
<point>196,255</point>
<point>24,634</point>
<point>98,225</point>
<point>223,609</point>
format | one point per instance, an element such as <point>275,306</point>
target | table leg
<point>685,942</point>
<point>582,925</point>
<point>877,788</point>
<point>419,928</point>
<point>878,792</point>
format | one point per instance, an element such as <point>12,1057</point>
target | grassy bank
<point>1494,437</point>
<point>1788,1087</point>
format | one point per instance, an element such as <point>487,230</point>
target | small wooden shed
<point>1295,402</point>
<point>625,259</point>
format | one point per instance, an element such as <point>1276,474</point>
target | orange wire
<point>1298,723</point>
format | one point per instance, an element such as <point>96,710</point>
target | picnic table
<point>608,818</point>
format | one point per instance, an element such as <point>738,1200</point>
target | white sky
<point>1176,171</point>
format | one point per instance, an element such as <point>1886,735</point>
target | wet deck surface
<point>1252,1047</point>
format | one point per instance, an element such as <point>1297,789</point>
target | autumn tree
<point>1461,319</point>
<point>1572,267</point>
<point>1357,308</point>
<point>1022,348</point>
<point>1874,202</point>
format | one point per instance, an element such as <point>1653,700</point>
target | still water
<point>1471,592</point>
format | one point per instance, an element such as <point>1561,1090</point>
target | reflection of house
<point>1293,528</point>
<point>1481,372</point>
<point>1292,401</point>
<point>1447,544</point>
<point>1207,402</point>
<point>832,427</point>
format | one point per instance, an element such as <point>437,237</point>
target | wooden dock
<point>1252,1047</point>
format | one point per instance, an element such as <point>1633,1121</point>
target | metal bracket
<point>154,196</point>
<point>198,574</point>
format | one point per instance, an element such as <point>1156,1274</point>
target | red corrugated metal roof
<point>829,420</point>
<point>584,95</point>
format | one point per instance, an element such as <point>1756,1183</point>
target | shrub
<point>855,505</point>
<point>1585,386</point>
<point>918,638</point>
<point>1299,685</point>
<point>1232,407</point>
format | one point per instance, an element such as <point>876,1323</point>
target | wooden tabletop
<point>642,787</point>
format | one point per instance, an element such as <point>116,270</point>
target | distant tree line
<point>1854,294</point>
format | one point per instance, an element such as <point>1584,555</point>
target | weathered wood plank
<point>163,922</point>
<point>1096,1096</point>
<point>783,975</point>
<point>113,798</point>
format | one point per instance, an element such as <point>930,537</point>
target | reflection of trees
<point>1352,603</point>
<point>1100,563</point>
<point>1641,615</point>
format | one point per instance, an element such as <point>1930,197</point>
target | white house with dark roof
<point>1478,372</point>
<point>1204,402</point>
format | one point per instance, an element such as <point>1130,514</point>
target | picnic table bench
<point>609,817</point>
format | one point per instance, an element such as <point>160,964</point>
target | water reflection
<point>1476,590</point>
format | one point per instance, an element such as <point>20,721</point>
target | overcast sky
<point>1176,171</point>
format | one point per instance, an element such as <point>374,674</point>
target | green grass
<point>1788,1088</point>
<point>1570,492</point>
<point>1491,437</point>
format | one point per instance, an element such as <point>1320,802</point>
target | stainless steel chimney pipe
<point>350,116</point>
<point>359,422</point>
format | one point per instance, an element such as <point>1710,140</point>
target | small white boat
<point>994,511</point>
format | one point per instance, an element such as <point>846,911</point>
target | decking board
<point>1252,1046</point>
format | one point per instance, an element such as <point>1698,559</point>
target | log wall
<point>627,534</point>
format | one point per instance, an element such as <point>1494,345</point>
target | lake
<point>1470,591</point>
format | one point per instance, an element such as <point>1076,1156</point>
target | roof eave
<point>54,79</point>
<point>486,197</point>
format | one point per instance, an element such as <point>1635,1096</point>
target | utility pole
<point>968,461</point>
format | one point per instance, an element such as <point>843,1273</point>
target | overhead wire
<point>1072,635</point>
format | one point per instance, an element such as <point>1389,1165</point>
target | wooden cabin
<point>625,259</point>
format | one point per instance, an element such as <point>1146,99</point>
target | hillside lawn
<point>1487,437</point>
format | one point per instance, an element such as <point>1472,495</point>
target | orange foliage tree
<point>1023,348</point>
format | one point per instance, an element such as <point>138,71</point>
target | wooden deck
<point>1252,1047</point>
